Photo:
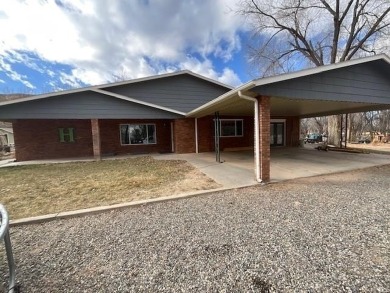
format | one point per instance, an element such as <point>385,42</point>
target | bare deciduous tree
<point>384,121</point>
<point>291,34</point>
<point>314,125</point>
<point>355,127</point>
<point>316,32</point>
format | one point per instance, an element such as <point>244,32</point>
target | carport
<point>347,87</point>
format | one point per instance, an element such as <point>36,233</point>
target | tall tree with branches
<point>294,34</point>
<point>290,34</point>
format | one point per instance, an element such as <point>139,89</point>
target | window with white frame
<point>138,134</point>
<point>231,127</point>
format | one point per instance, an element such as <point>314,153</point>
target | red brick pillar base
<point>96,139</point>
<point>264,129</point>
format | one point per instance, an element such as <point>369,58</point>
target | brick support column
<point>264,134</point>
<point>96,142</point>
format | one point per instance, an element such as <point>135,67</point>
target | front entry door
<point>277,134</point>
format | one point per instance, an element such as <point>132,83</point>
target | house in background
<point>184,112</point>
<point>7,133</point>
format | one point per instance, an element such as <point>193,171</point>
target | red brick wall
<point>206,134</point>
<point>247,140</point>
<point>292,130</point>
<point>39,139</point>
<point>111,141</point>
<point>184,135</point>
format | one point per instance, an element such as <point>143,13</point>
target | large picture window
<point>231,127</point>
<point>138,134</point>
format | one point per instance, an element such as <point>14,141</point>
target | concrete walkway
<point>6,162</point>
<point>231,173</point>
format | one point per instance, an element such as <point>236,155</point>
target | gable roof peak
<point>109,85</point>
<point>164,75</point>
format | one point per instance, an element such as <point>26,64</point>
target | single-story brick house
<point>8,134</point>
<point>177,112</point>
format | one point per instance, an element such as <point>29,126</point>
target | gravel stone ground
<point>320,234</point>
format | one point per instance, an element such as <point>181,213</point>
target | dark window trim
<point>235,127</point>
<point>132,124</point>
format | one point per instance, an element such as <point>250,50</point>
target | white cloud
<point>44,28</point>
<point>229,77</point>
<point>100,38</point>
<point>7,69</point>
<point>50,73</point>
<point>205,68</point>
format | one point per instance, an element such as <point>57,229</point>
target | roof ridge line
<point>129,99</point>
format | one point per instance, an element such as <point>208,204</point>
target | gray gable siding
<point>181,93</point>
<point>84,105</point>
<point>368,83</point>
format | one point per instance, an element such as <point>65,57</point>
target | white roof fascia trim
<point>207,79</point>
<point>122,97</point>
<point>43,96</point>
<point>171,74</point>
<point>225,96</point>
<point>140,79</point>
<point>73,91</point>
<point>48,95</point>
<point>319,69</point>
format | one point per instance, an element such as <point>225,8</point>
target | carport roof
<point>346,87</point>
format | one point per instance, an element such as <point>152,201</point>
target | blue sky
<point>60,44</point>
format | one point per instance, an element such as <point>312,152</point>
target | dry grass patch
<point>33,190</point>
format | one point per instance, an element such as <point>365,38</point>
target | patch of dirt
<point>193,180</point>
<point>374,146</point>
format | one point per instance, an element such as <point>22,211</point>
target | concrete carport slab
<point>291,163</point>
<point>236,169</point>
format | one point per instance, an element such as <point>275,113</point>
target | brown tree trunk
<point>334,130</point>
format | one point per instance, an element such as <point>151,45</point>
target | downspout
<point>257,138</point>
<point>196,136</point>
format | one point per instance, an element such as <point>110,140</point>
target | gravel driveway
<point>320,234</point>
